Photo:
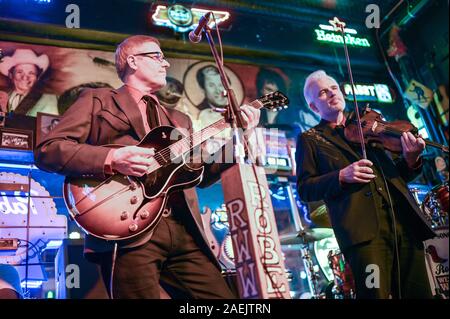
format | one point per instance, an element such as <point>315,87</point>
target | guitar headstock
<point>275,101</point>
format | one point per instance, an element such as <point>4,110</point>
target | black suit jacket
<point>106,116</point>
<point>353,211</point>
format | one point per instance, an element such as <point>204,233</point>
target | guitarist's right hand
<point>132,160</point>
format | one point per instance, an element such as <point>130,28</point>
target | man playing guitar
<point>175,252</point>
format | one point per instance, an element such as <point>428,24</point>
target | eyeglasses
<point>156,55</point>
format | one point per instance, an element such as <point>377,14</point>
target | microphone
<point>196,35</point>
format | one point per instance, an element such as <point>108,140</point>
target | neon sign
<point>182,19</point>
<point>416,119</point>
<point>29,215</point>
<point>369,92</point>
<point>327,34</point>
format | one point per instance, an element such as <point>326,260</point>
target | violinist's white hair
<point>313,77</point>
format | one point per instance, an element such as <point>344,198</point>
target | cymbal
<point>306,236</point>
<point>319,217</point>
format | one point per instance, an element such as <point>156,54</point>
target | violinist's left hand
<point>412,148</point>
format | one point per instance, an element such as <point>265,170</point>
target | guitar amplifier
<point>75,277</point>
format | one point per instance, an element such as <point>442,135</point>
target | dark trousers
<point>411,281</point>
<point>171,258</point>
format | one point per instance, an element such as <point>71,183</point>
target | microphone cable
<point>113,264</point>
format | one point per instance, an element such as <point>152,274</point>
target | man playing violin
<point>375,219</point>
<point>175,253</point>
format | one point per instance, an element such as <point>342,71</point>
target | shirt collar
<point>328,123</point>
<point>14,93</point>
<point>137,94</point>
<point>332,125</point>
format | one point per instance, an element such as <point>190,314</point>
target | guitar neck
<point>186,144</point>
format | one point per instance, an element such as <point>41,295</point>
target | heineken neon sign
<point>327,34</point>
<point>182,19</point>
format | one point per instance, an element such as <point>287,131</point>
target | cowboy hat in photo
<point>24,56</point>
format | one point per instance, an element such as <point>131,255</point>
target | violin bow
<point>340,26</point>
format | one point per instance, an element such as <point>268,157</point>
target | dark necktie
<point>152,112</point>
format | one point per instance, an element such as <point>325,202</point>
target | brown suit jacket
<point>107,116</point>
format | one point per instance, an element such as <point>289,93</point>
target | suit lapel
<point>333,137</point>
<point>131,110</point>
<point>170,116</point>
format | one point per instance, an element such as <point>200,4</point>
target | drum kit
<point>305,238</point>
<point>435,206</point>
<point>321,244</point>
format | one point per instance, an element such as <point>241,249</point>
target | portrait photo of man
<point>205,91</point>
<point>24,68</point>
<point>269,81</point>
<point>208,79</point>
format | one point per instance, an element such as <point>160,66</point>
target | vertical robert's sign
<point>258,259</point>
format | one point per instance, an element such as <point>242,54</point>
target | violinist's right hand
<point>132,160</point>
<point>357,172</point>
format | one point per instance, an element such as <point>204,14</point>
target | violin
<point>371,127</point>
<point>377,130</point>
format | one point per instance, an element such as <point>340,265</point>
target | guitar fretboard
<point>186,144</point>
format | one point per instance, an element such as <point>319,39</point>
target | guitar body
<point>121,207</point>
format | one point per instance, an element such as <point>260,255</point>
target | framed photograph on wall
<point>44,124</point>
<point>16,139</point>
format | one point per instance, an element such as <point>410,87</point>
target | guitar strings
<point>187,141</point>
<point>164,155</point>
<point>104,200</point>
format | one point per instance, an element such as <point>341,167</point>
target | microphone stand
<point>233,114</point>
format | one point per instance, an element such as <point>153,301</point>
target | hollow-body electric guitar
<point>121,207</point>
